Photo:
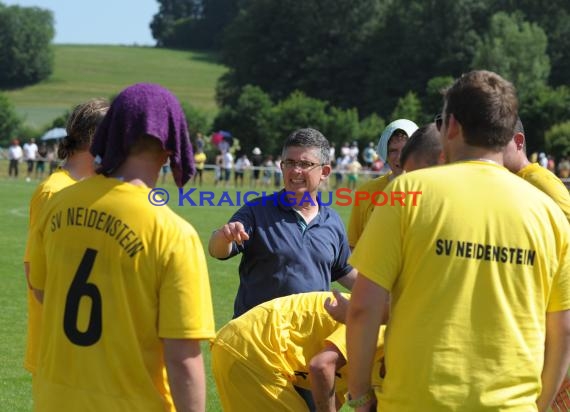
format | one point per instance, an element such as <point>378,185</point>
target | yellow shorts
<point>242,388</point>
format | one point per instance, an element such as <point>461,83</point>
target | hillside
<point>83,71</point>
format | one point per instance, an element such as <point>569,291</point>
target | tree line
<point>375,59</point>
<point>378,55</point>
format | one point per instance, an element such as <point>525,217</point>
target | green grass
<point>82,72</point>
<point>15,382</point>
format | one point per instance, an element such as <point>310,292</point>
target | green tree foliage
<point>557,139</point>
<point>9,121</point>
<point>250,120</point>
<point>26,56</point>
<point>433,100</point>
<point>419,41</point>
<point>298,111</point>
<point>169,13</point>
<point>547,107</point>
<point>198,121</point>
<point>409,107</point>
<point>342,125</point>
<point>312,45</point>
<point>517,51</point>
<point>370,128</point>
<point>554,17</point>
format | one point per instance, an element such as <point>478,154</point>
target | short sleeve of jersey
<point>378,254</point>
<point>338,339</point>
<point>185,303</point>
<point>38,200</point>
<point>36,251</point>
<point>560,295</point>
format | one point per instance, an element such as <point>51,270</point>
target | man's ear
<point>519,140</point>
<point>326,171</point>
<point>453,127</point>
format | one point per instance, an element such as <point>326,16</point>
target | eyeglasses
<point>438,120</point>
<point>301,164</point>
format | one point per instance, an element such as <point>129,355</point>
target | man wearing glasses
<point>288,241</point>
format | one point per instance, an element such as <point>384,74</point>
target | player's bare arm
<point>365,314</point>
<point>556,356</point>
<point>220,245</point>
<point>322,370</point>
<point>185,369</point>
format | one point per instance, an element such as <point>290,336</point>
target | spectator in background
<point>354,167</point>
<point>52,158</point>
<point>227,167</point>
<point>278,174</point>
<point>368,155</point>
<point>514,159</point>
<point>200,162</point>
<point>268,166</point>
<point>15,155</point>
<point>30,155</point>
<point>256,162</point>
<point>41,161</point>
<point>124,314</point>
<point>77,165</point>
<point>242,164</point>
<point>551,164</point>
<point>390,146</point>
<point>438,334</point>
<point>423,149</point>
<point>564,168</point>
<point>199,142</point>
<point>543,160</point>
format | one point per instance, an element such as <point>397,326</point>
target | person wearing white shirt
<point>15,155</point>
<point>30,155</point>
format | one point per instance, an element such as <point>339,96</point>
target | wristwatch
<point>358,402</point>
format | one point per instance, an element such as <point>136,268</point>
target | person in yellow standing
<point>390,145</point>
<point>478,273</point>
<point>78,164</point>
<point>516,161</point>
<point>199,161</point>
<point>124,283</point>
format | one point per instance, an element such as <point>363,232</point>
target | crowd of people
<point>458,302</point>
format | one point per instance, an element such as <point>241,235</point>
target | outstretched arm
<point>220,245</point>
<point>322,373</point>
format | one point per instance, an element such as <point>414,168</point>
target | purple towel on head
<point>144,109</point>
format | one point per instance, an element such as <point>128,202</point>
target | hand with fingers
<point>234,232</point>
<point>337,306</point>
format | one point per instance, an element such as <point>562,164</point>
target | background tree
<point>249,120</point>
<point>433,100</point>
<point>9,121</point>
<point>558,139</point>
<point>370,129</point>
<point>517,51</point>
<point>26,56</point>
<point>171,11</point>
<point>409,107</point>
<point>313,46</point>
<point>198,121</point>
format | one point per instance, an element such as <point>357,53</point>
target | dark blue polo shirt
<point>279,259</point>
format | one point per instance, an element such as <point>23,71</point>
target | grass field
<point>83,71</point>
<point>15,383</point>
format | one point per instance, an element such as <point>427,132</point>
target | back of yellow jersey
<point>118,275</point>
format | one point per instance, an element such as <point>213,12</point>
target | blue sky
<point>99,21</point>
